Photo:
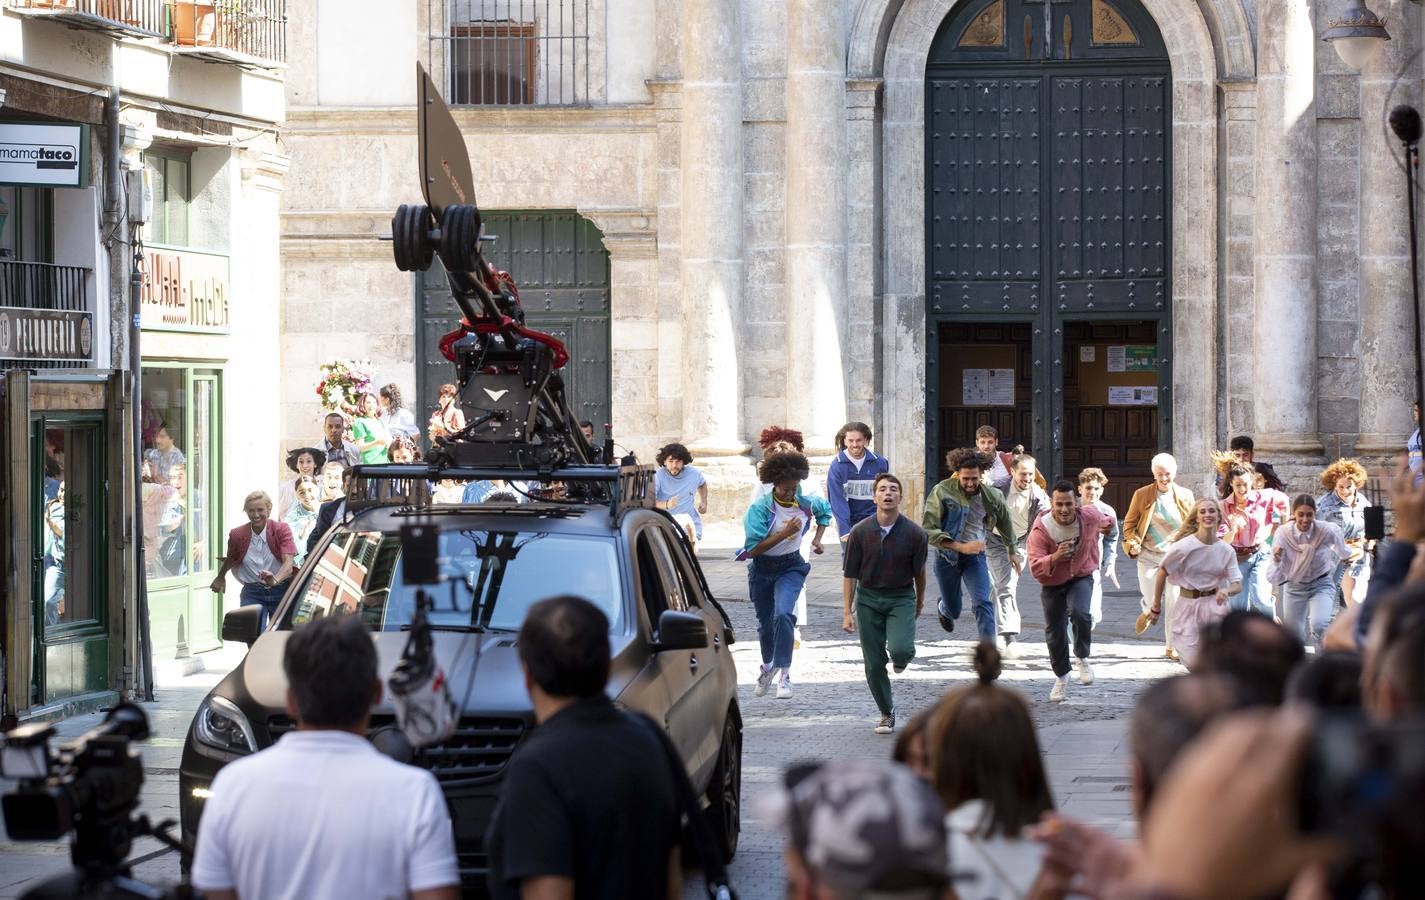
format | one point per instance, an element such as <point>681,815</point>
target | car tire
<point>725,789</point>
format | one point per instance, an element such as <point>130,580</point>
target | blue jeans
<point>774,583</point>
<point>1307,608</point>
<point>1256,593</point>
<point>974,573</point>
<point>266,597</point>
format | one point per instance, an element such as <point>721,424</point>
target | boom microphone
<point>1405,122</point>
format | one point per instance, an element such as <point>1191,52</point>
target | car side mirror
<point>680,631</point>
<point>243,624</point>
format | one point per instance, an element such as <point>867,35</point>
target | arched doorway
<point>1047,230</point>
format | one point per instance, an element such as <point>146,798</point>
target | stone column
<point>711,233</point>
<point>1284,308</point>
<point>817,325</point>
<point>1387,335</point>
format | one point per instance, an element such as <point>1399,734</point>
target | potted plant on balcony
<point>50,4</point>
<point>194,24</point>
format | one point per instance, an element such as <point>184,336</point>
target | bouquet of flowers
<point>343,382</point>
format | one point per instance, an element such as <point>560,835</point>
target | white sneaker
<point>1060,689</point>
<point>1011,647</point>
<point>764,681</point>
<point>1085,672</point>
<point>784,687</point>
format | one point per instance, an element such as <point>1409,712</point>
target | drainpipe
<point>116,217</point>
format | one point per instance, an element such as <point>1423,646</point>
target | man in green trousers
<point>883,590</point>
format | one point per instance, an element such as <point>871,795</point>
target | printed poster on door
<point>988,387</point>
<point>1132,396</point>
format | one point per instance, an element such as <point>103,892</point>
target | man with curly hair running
<point>773,528</point>
<point>959,514</point>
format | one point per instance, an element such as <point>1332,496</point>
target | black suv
<point>670,644</point>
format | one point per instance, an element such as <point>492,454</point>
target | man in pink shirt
<point>1064,551</point>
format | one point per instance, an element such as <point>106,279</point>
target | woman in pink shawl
<point>1305,556</point>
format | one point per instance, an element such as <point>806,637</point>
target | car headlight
<point>223,726</point>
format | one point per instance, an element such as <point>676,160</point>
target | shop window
<point>27,230</point>
<point>181,475</point>
<point>170,178</point>
<point>69,526</point>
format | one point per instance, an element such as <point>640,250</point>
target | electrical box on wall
<point>139,200</point>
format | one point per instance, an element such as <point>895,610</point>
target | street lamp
<point>1357,35</point>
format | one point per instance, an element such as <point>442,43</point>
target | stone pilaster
<point>816,216</point>
<point>863,205</point>
<point>631,237</point>
<point>1386,314</point>
<point>1284,320</point>
<point>711,269</point>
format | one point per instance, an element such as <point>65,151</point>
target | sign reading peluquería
<point>48,334</point>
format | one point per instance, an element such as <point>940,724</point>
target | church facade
<point>1106,227</point>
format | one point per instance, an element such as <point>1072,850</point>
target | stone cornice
<point>266,170</point>
<point>513,119</point>
<point>627,232</point>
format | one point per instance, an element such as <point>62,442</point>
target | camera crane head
<point>511,392</point>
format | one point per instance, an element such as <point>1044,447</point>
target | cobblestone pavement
<point>830,715</point>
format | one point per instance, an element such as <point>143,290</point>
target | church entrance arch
<point>1048,234</point>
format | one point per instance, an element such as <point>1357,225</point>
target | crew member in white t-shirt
<point>323,813</point>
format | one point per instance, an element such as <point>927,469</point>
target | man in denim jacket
<point>960,513</point>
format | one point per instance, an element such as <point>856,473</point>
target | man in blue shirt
<point>850,482</point>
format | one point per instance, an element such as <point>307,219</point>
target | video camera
<point>89,786</point>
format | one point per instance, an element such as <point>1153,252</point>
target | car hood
<point>484,666</point>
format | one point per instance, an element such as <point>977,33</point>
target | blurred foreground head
<point>1170,715</point>
<point>861,828</point>
<point>1253,650</point>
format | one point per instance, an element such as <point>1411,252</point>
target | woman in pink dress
<point>1204,570</point>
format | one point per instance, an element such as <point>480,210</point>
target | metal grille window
<point>510,52</point>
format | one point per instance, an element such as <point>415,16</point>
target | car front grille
<point>479,749</point>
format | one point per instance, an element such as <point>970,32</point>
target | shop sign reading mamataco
<point>184,290</point>
<point>48,334</point>
<point>32,153</point>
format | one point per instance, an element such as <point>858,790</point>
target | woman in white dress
<point>1204,570</point>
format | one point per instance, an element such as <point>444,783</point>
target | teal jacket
<point>945,511</point>
<point>757,523</point>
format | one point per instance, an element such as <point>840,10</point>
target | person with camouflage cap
<point>861,828</point>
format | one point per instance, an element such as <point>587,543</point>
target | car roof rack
<point>408,485</point>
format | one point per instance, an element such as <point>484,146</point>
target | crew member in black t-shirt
<point>586,809</point>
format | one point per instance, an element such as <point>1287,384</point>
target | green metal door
<point>562,269</point>
<point>69,540</point>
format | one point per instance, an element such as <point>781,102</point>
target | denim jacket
<point>757,523</point>
<point>945,511</point>
<point>1350,519</point>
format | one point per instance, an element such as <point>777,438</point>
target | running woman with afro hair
<point>773,529</point>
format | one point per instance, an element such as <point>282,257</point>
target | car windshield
<point>489,579</point>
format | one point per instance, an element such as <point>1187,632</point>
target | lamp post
<point>1357,35</point>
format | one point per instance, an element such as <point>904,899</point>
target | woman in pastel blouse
<point>368,432</point>
<point>447,418</point>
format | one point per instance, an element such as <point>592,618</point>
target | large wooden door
<point>1048,192</point>
<point>562,268</point>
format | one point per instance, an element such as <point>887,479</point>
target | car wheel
<point>725,790</point>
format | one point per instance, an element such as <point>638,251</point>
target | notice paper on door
<point>1117,357</point>
<point>1132,396</point>
<point>988,387</point>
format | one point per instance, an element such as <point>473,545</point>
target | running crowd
<point>1296,560</point>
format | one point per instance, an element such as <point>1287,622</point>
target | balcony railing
<point>510,52</point>
<point>255,29</point>
<point>33,285</point>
